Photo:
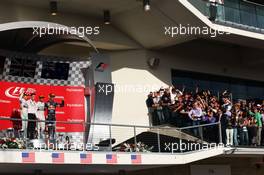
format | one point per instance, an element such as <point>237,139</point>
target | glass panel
<point>235,11</point>
<point>232,3</point>
<point>203,84</point>
<point>55,70</point>
<point>239,91</point>
<point>219,87</point>
<point>260,17</point>
<point>183,81</point>
<point>255,92</point>
<point>240,88</point>
<point>22,67</point>
<point>202,6</point>
<point>248,14</point>
<point>232,15</point>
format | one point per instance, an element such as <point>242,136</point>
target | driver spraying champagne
<point>23,101</point>
<point>51,106</point>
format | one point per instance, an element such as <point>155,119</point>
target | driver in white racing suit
<point>41,117</point>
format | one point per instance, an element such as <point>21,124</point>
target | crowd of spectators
<point>241,120</point>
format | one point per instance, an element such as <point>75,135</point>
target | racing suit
<point>41,116</point>
<point>51,106</point>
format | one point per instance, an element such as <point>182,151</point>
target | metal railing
<point>108,137</point>
<point>120,137</point>
<point>244,16</point>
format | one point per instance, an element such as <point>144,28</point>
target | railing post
<point>180,140</point>
<point>54,132</point>
<point>256,16</point>
<point>158,134</point>
<point>135,138</point>
<point>84,139</point>
<point>220,132</point>
<point>201,133</point>
<point>110,135</point>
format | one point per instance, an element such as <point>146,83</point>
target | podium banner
<point>73,110</point>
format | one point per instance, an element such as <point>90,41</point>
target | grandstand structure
<point>99,60</point>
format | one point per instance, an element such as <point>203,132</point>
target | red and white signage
<point>73,110</point>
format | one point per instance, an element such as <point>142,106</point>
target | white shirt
<point>173,98</point>
<point>220,1</point>
<point>156,100</point>
<point>196,113</point>
<point>40,106</point>
<point>227,106</point>
<point>32,107</point>
<point>217,1</point>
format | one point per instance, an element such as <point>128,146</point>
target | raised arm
<point>21,96</point>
